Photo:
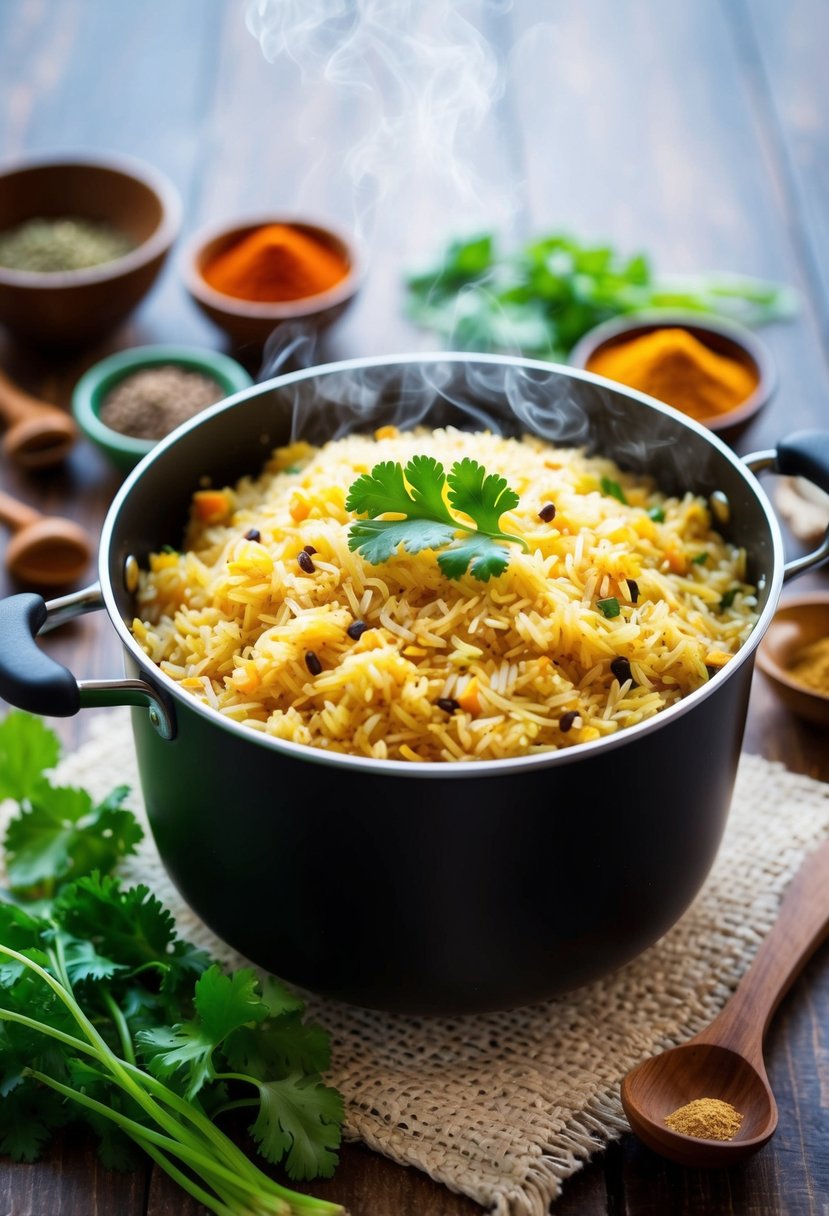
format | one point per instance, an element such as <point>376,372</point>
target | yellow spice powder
<point>707,1119</point>
<point>810,665</point>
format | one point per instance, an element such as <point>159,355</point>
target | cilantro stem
<point>237,1172</point>
<point>121,1026</point>
<point>216,1174</point>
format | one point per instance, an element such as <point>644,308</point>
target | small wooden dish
<point>798,622</point>
<point>251,322</point>
<point>722,337</point>
<point>75,307</point>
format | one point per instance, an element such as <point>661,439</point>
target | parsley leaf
<point>419,493</point>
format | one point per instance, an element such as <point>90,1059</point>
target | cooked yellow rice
<point>234,620</point>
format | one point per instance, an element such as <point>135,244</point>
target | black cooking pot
<point>430,887</point>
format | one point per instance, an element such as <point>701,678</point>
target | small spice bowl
<point>252,321</point>
<point>72,307</point>
<point>95,385</point>
<point>724,338</point>
<point>799,622</point>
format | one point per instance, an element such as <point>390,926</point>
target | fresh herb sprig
<point>107,1016</point>
<point>543,298</point>
<point>419,494</point>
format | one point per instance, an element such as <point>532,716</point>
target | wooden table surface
<point>696,130</point>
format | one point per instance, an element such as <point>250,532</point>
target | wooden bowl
<point>798,621</point>
<point>723,337</point>
<point>251,322</point>
<point>75,307</point>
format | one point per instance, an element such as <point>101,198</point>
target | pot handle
<point>802,454</point>
<point>31,680</point>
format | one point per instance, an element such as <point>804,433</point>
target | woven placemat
<point>504,1107</point>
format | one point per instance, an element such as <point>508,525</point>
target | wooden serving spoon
<point>46,550</point>
<point>725,1060</point>
<point>39,434</point>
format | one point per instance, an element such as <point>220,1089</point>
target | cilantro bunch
<point>419,494</point>
<point>107,1016</point>
<point>543,298</point>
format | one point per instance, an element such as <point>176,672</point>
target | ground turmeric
<point>276,262</point>
<point>707,1119</point>
<point>810,666</point>
<point>675,367</point>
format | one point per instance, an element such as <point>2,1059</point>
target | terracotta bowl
<point>251,322</point>
<point>76,307</point>
<point>722,337</point>
<point>799,621</point>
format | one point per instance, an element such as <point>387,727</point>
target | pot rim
<point>437,768</point>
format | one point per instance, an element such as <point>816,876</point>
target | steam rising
<point>418,80</point>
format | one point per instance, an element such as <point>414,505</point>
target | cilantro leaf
<point>482,556</point>
<point>223,1003</point>
<point>613,490</point>
<point>381,490</point>
<point>27,749</point>
<point>278,1047</point>
<point>300,1117</point>
<point>379,539</point>
<point>483,497</point>
<point>62,835</point>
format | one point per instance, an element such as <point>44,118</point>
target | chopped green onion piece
<point>168,549</point>
<point>728,599</point>
<point>701,558</point>
<point>610,607</point>
<point>657,515</point>
<point>613,490</point>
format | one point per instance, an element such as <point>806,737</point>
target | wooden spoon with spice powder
<point>708,1102</point>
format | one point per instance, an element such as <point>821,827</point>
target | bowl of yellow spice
<point>794,655</point>
<point>714,371</point>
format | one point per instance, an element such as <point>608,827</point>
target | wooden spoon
<point>725,1060</point>
<point>39,434</point>
<point>46,550</point>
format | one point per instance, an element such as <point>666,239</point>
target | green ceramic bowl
<point>94,385</point>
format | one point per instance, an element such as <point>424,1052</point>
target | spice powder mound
<point>706,1119</point>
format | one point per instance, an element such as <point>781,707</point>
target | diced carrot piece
<point>468,699</point>
<point>299,509</point>
<point>211,506</point>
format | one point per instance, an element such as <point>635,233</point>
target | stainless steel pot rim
<point>438,769</point>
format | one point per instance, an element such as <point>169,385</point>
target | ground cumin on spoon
<point>276,262</point>
<point>706,1119</point>
<point>675,367</point>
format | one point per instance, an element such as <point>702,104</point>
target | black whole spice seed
<point>633,588</point>
<point>309,549</point>
<point>621,669</point>
<point>312,663</point>
<point>356,630</point>
<point>547,512</point>
<point>566,721</point>
<point>253,534</point>
<point>304,562</point>
<point>448,704</point>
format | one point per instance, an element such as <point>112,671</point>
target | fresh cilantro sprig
<point>108,1016</point>
<point>420,493</point>
<point>542,298</point>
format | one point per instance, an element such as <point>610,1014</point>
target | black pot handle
<point>31,680</point>
<point>805,454</point>
<point>801,454</point>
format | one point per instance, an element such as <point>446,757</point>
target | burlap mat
<point>505,1107</point>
